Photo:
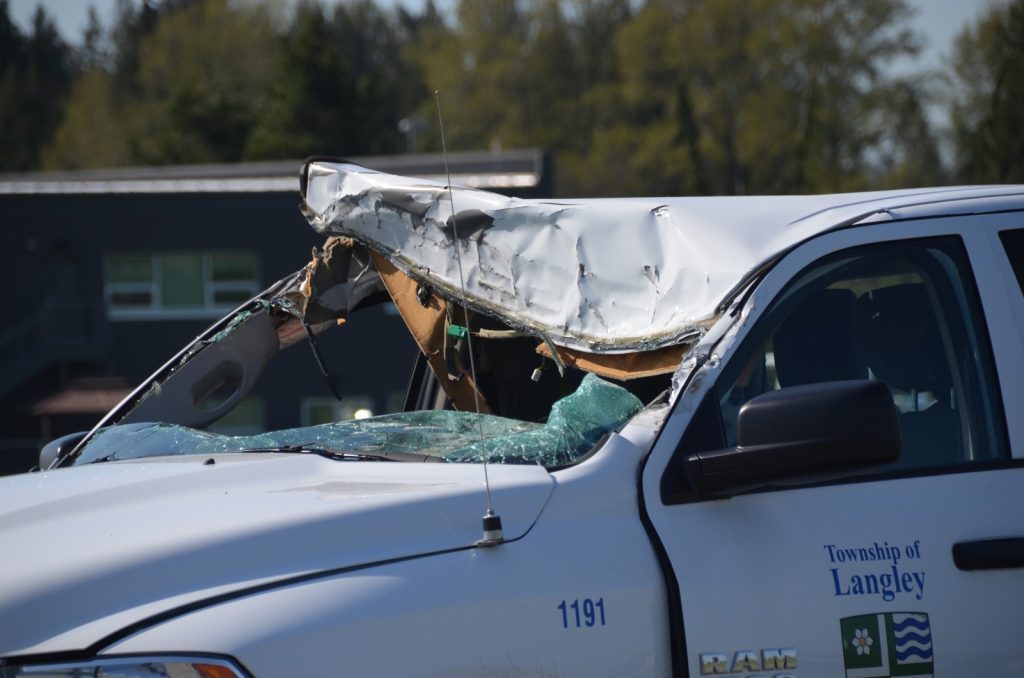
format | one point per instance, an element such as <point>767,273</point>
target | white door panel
<point>756,572</point>
<point>858,576</point>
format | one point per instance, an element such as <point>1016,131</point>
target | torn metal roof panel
<point>601,275</point>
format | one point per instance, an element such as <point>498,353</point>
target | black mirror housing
<point>59,448</point>
<point>803,431</point>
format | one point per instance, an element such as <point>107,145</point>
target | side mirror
<point>802,432</point>
<point>58,449</point>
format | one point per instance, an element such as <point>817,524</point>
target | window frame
<point>1012,240</point>
<point>1003,305</point>
<point>155,310</point>
<point>970,378</point>
<point>663,475</point>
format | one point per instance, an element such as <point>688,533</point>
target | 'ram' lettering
<point>746,660</point>
<point>778,659</point>
<point>713,662</point>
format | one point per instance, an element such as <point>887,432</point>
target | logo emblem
<point>887,645</point>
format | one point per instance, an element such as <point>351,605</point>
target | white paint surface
<point>601,275</point>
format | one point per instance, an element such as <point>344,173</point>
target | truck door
<point>908,569</point>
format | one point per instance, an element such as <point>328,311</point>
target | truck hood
<point>89,550</point>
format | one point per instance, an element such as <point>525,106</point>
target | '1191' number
<point>584,612</point>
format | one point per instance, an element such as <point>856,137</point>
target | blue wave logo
<point>887,645</point>
<point>912,638</point>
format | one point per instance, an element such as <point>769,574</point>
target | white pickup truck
<point>758,436</point>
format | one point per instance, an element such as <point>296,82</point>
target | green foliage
<point>91,134</point>
<point>631,96</point>
<point>35,76</point>
<point>202,78</point>
<point>338,86</point>
<point>755,96</point>
<point>988,105</point>
<point>189,82</point>
<point>695,96</point>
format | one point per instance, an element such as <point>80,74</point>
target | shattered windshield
<point>484,388</point>
<point>574,426</point>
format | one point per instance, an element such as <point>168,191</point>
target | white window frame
<point>155,310</point>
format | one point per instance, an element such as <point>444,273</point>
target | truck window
<point>906,313</point>
<point>1013,242</point>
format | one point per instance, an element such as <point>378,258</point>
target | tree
<point>133,25</point>
<point>35,77</point>
<point>987,109</point>
<point>906,152</point>
<point>189,80</point>
<point>476,66</point>
<point>651,97</point>
<point>519,73</point>
<point>92,133</point>
<point>340,87</point>
<point>93,53</point>
<point>751,96</point>
<point>202,78</point>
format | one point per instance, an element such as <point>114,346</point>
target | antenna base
<point>493,534</point>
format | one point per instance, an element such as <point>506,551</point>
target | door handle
<point>989,554</point>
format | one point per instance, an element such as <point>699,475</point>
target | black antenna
<point>492,522</point>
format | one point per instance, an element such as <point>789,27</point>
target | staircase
<point>59,332</point>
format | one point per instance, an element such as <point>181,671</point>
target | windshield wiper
<point>345,455</point>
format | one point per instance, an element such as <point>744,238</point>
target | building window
<point>324,410</point>
<point>177,285</point>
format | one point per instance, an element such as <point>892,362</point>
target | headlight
<point>130,667</point>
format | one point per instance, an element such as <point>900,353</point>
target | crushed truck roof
<point>598,275</point>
